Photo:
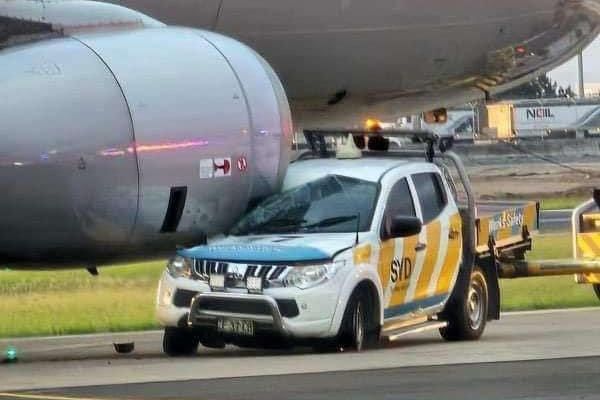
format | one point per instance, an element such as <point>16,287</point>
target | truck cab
<point>375,237</point>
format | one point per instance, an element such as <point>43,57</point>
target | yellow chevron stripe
<point>589,278</point>
<point>362,255</point>
<point>589,245</point>
<point>433,248</point>
<point>583,250</point>
<point>386,256</point>
<point>399,295</point>
<point>452,258</point>
<point>594,240</point>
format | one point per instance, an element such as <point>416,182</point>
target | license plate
<point>236,326</point>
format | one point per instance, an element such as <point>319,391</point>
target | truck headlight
<point>180,267</point>
<point>312,275</point>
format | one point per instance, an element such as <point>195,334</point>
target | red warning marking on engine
<point>215,168</point>
<point>222,167</point>
<point>242,164</point>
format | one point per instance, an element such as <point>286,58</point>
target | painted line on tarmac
<point>550,311</point>
<point>554,220</point>
<point>72,347</point>
<point>41,397</point>
<point>552,234</point>
<point>83,336</point>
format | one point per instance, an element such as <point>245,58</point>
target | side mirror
<point>402,226</point>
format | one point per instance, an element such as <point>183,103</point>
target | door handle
<point>420,247</point>
<point>453,234</point>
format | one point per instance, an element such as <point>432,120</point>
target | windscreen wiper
<point>275,225</point>
<point>331,221</point>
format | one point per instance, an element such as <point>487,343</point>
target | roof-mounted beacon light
<point>346,148</point>
<point>373,125</point>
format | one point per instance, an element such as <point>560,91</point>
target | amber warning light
<point>372,124</point>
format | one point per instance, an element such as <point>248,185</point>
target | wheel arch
<point>490,272</point>
<point>365,279</point>
<point>368,287</point>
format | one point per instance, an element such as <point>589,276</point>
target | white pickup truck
<point>351,250</point>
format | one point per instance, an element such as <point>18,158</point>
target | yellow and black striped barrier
<point>588,248</point>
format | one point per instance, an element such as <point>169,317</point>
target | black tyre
<point>179,342</point>
<point>467,316</point>
<point>359,330</point>
<point>597,290</point>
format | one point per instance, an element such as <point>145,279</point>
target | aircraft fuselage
<point>119,141</point>
<point>358,53</point>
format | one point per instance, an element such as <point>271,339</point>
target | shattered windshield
<point>328,205</point>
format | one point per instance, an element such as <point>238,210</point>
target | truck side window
<point>399,202</point>
<point>432,195</point>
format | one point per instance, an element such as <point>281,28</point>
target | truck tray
<point>508,223</point>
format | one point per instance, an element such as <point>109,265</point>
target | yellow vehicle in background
<point>586,239</point>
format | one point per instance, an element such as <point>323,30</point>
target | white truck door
<point>397,256</point>
<point>437,266</point>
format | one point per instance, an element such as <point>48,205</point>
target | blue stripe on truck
<point>256,253</point>
<point>403,309</point>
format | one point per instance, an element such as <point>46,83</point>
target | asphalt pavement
<point>575,378</point>
<point>536,355</point>
<point>555,221</point>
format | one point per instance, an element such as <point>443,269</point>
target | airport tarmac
<point>574,378</point>
<point>555,221</point>
<point>547,354</point>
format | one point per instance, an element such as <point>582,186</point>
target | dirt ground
<point>535,181</point>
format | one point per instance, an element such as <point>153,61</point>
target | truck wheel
<point>359,330</point>
<point>179,342</point>
<point>467,317</point>
<point>597,290</point>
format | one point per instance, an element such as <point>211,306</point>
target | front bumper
<point>208,308</point>
<point>288,312</point>
<point>266,312</point>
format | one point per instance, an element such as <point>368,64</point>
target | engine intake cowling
<point>122,143</point>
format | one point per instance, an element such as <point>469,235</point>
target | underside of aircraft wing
<point>25,20</point>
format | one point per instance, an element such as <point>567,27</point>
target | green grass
<point>551,246</point>
<point>70,302</point>
<point>122,298</point>
<point>562,203</point>
<point>547,292</point>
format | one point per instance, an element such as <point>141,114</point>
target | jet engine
<point>119,143</point>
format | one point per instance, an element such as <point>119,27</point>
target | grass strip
<point>122,297</point>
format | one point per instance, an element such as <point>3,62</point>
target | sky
<point>567,74</point>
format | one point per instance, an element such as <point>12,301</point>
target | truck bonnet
<point>278,249</point>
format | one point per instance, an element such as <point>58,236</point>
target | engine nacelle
<point>123,143</point>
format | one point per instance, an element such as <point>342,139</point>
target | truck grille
<point>287,307</point>
<point>242,306</point>
<point>235,273</point>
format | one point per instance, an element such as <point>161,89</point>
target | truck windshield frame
<point>331,204</point>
